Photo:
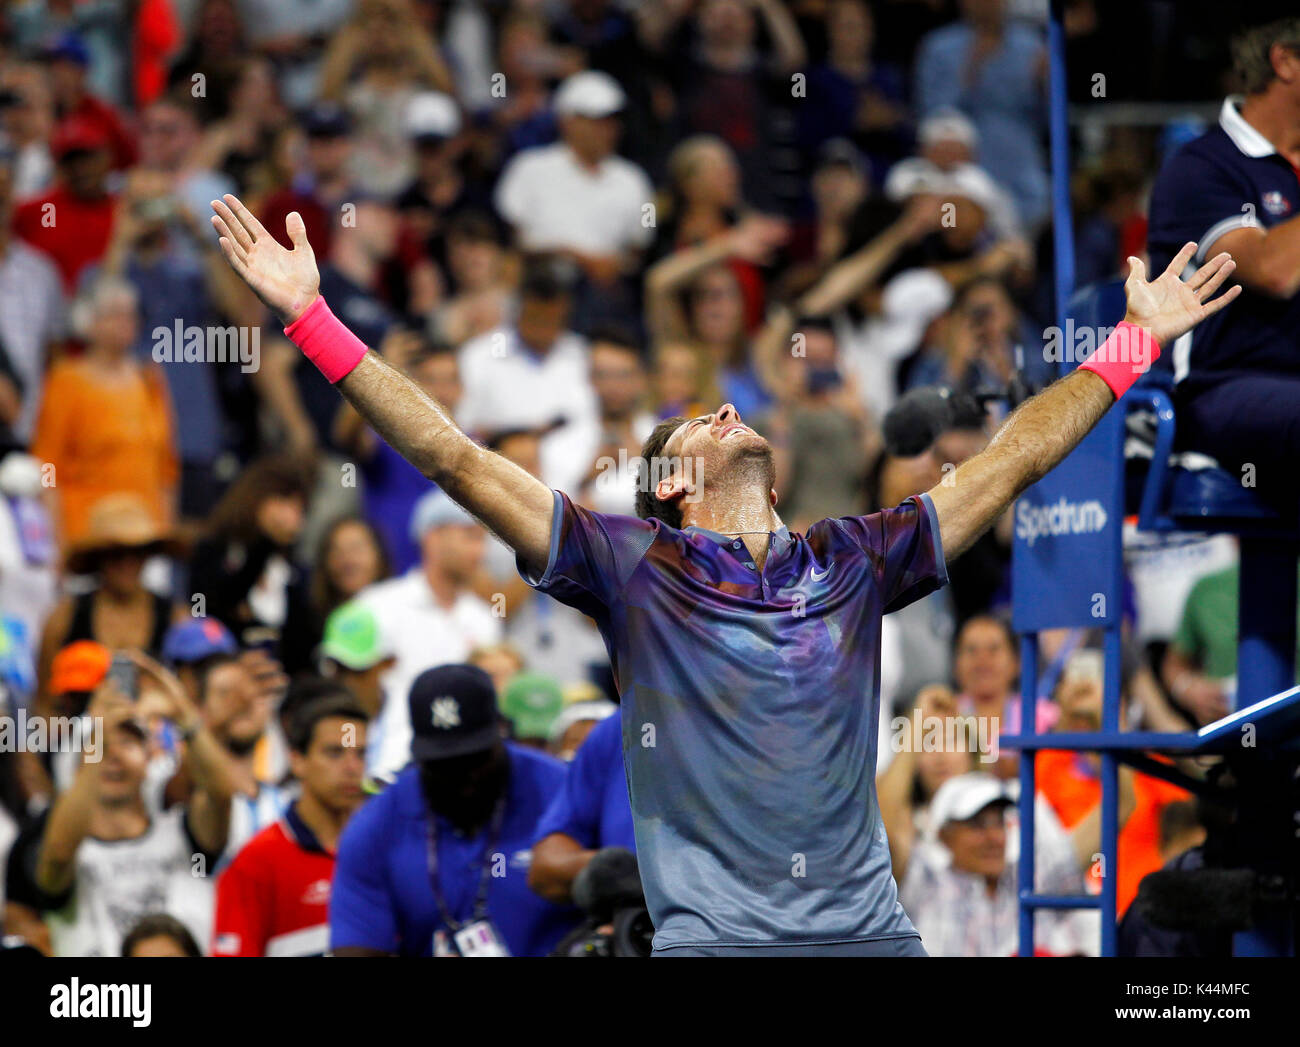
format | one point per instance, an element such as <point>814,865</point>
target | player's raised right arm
<point>514,504</point>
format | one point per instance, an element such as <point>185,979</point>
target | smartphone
<point>125,674</point>
<point>1085,666</point>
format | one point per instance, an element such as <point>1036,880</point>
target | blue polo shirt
<point>382,897</point>
<point>750,706</point>
<point>593,807</point>
<point>1229,178</point>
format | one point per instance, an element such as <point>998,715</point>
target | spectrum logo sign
<point>1060,518</point>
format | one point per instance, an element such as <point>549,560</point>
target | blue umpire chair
<point>1067,573</point>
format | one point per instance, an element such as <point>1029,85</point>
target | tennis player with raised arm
<point>746,656</point>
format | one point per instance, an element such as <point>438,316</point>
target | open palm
<point>287,281</point>
<point>1169,306</point>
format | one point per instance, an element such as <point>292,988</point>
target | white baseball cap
<point>965,796</point>
<point>947,125</point>
<point>974,184</point>
<point>589,93</point>
<point>431,114</point>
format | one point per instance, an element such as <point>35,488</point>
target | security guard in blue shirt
<point>437,864</point>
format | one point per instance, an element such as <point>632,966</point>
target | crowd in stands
<point>566,221</point>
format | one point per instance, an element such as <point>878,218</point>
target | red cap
<point>78,133</point>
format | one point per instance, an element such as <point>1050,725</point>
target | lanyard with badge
<point>477,937</point>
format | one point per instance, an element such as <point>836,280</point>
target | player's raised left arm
<point>1047,427</point>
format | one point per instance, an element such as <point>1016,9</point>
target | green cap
<point>531,702</point>
<point>352,637</point>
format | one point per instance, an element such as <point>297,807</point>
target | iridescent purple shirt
<point>750,710</point>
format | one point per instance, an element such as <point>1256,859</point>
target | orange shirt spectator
<point>105,419</point>
<point>1073,788</point>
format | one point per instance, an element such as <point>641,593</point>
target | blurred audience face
<point>84,172</point>
<point>618,379</point>
<point>327,156</point>
<point>438,374</point>
<point>984,14</point>
<point>217,28</point>
<point>67,82</point>
<point>717,307</point>
<point>113,322</point>
<point>255,91</point>
<point>948,153</point>
<point>120,571</point>
<point>986,664</point>
<point>453,551</point>
<point>726,23</point>
<point>352,561</point>
<point>376,229</point>
<point>229,698</point>
<point>850,30</point>
<point>475,263</point>
<point>955,446</point>
<point>280,517</point>
<point>676,375</point>
<point>121,774</point>
<point>332,768</point>
<point>28,118</point>
<point>464,789</point>
<point>525,450</point>
<point>591,138</point>
<point>499,662</point>
<point>168,135</point>
<point>837,189</point>
<point>987,307</point>
<point>708,173</point>
<point>978,845</point>
<point>542,320</point>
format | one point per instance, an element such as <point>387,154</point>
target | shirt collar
<point>780,537</point>
<point>302,835</point>
<point>1243,136</point>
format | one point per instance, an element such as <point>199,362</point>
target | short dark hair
<point>617,335</point>
<point>1000,621</point>
<point>307,688</point>
<point>547,277</point>
<point>648,507</point>
<point>160,925</point>
<point>302,726</point>
<point>1252,62</point>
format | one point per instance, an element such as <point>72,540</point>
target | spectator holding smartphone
<point>101,860</point>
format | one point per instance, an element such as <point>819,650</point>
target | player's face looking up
<point>716,446</point>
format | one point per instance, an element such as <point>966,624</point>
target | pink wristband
<point>1124,357</point>
<point>324,340</point>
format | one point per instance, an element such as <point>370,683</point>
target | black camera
<point>609,891</point>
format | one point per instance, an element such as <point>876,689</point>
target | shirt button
<point>736,544</point>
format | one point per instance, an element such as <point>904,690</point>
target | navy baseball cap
<point>453,712</point>
<point>188,642</point>
<point>326,120</point>
<point>67,47</point>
